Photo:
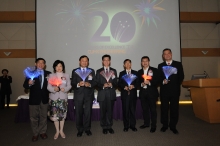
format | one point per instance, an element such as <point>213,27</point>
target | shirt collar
<point>83,68</point>
<point>169,62</point>
<point>106,68</point>
<point>146,68</point>
<point>128,70</point>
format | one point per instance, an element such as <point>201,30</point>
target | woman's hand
<point>56,89</point>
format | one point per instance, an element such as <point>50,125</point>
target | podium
<point>205,95</point>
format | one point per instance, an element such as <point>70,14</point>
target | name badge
<point>150,73</point>
<point>113,76</point>
<point>90,77</point>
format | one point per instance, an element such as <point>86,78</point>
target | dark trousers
<point>3,95</point>
<point>148,104</point>
<point>106,111</point>
<point>83,111</point>
<point>129,108</point>
<point>169,103</point>
<point>38,118</point>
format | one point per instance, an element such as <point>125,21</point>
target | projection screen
<point>67,29</point>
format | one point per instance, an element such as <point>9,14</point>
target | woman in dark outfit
<point>5,81</point>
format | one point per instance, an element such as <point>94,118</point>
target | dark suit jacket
<point>83,92</point>
<point>36,93</point>
<point>122,83</point>
<point>173,86</point>
<point>152,88</point>
<point>5,84</point>
<point>100,80</point>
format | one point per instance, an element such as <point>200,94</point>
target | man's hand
<point>109,84</point>
<point>87,84</point>
<point>165,81</point>
<point>31,82</point>
<point>146,82</point>
<point>126,88</point>
<point>131,87</point>
<point>62,89</point>
<point>81,83</point>
<point>106,85</point>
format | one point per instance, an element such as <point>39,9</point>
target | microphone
<point>205,73</point>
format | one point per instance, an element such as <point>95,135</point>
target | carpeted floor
<point>192,132</point>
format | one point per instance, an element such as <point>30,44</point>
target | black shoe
<point>125,129</point>
<point>88,132</point>
<point>152,130</point>
<point>133,129</point>
<point>79,134</point>
<point>104,131</point>
<point>163,129</point>
<point>174,130</point>
<point>144,126</point>
<point>111,131</point>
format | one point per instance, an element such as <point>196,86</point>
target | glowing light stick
<point>54,81</point>
<point>168,71</point>
<point>146,77</point>
<point>31,72</point>
<point>129,78</point>
<point>106,75</point>
<point>83,74</point>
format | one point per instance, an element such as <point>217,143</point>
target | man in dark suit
<point>83,95</point>
<point>38,100</point>
<point>148,93</point>
<point>106,78</point>
<point>128,96</point>
<point>5,90</point>
<point>170,92</point>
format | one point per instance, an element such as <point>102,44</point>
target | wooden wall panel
<point>200,52</point>
<point>17,17</point>
<point>185,17</point>
<point>17,53</point>
<point>199,17</point>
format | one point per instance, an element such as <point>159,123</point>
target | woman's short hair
<point>58,62</point>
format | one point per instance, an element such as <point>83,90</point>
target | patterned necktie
<point>168,63</point>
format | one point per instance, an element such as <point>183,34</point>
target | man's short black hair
<point>58,62</point>
<point>167,49</point>
<point>127,60</point>
<point>83,56</point>
<point>38,59</point>
<point>106,55</point>
<point>4,70</point>
<point>145,57</point>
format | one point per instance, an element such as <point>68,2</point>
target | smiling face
<point>127,65</point>
<point>145,63</point>
<point>106,61</point>
<point>59,68</point>
<point>167,55</point>
<point>84,62</point>
<point>40,64</point>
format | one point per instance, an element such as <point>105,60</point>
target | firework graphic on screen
<point>146,10</point>
<point>74,11</point>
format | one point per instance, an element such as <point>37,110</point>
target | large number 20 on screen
<point>122,27</point>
